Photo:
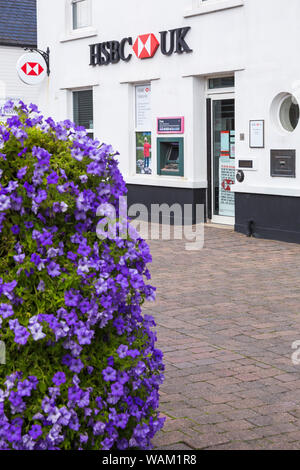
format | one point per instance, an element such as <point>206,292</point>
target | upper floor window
<point>83,114</point>
<point>220,82</point>
<point>81,14</point>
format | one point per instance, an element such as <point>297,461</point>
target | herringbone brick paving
<point>227,317</point>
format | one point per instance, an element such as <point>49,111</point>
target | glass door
<point>223,161</point>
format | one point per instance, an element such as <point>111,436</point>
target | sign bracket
<point>44,54</point>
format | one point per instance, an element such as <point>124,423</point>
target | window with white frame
<point>83,112</point>
<point>81,14</point>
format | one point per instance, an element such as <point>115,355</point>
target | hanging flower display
<point>82,370</point>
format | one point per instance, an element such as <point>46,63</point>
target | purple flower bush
<point>82,371</point>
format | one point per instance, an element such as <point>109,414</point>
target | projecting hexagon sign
<point>145,46</point>
<point>32,68</point>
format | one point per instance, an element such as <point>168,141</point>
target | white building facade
<point>199,97</point>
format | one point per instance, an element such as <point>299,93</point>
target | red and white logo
<point>32,68</point>
<point>226,184</point>
<point>145,46</point>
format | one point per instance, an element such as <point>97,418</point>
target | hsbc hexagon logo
<point>145,46</point>
<point>32,68</point>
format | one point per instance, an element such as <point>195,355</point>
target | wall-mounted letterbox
<point>246,164</point>
<point>283,163</point>
<point>170,156</point>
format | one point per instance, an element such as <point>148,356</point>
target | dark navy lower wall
<point>149,195</point>
<point>267,216</point>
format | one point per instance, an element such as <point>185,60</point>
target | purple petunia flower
<point>84,250</point>
<point>36,331</point>
<point>59,378</point>
<point>24,388</point>
<point>121,420</point>
<point>53,269</point>
<point>42,155</point>
<point>14,434</point>
<point>71,256</point>
<point>122,351</point>
<point>5,203</point>
<point>117,389</point>
<point>107,443</point>
<point>52,178</point>
<point>41,196</point>
<point>33,108</point>
<point>133,353</point>
<point>6,310</point>
<point>71,298</point>
<point>15,229</point>
<point>83,178</point>
<point>98,428</point>
<point>46,238</point>
<point>109,374</point>
<point>35,431</point>
<point>28,225</point>
<point>139,369</point>
<point>22,172</point>
<point>41,286</point>
<point>19,258</point>
<point>35,258</point>
<point>21,335</point>
<point>122,444</point>
<point>84,438</point>
<point>84,335</point>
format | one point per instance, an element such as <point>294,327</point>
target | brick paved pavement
<point>227,317</point>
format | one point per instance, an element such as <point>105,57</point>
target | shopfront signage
<point>32,68</point>
<point>144,46</point>
<point>172,125</point>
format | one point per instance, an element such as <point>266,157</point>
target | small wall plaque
<point>257,134</point>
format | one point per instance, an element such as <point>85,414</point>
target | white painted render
<point>257,40</point>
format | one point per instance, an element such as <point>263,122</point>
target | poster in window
<point>143,153</point>
<point>232,144</point>
<point>143,106</point>
<point>225,141</point>
<point>226,195</point>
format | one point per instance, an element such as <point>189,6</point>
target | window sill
<point>79,34</point>
<point>213,6</point>
<point>165,181</point>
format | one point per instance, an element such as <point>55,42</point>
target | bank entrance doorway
<point>221,149</point>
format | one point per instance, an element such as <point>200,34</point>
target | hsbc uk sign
<point>145,46</point>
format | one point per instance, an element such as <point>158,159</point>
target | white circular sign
<point>32,68</point>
